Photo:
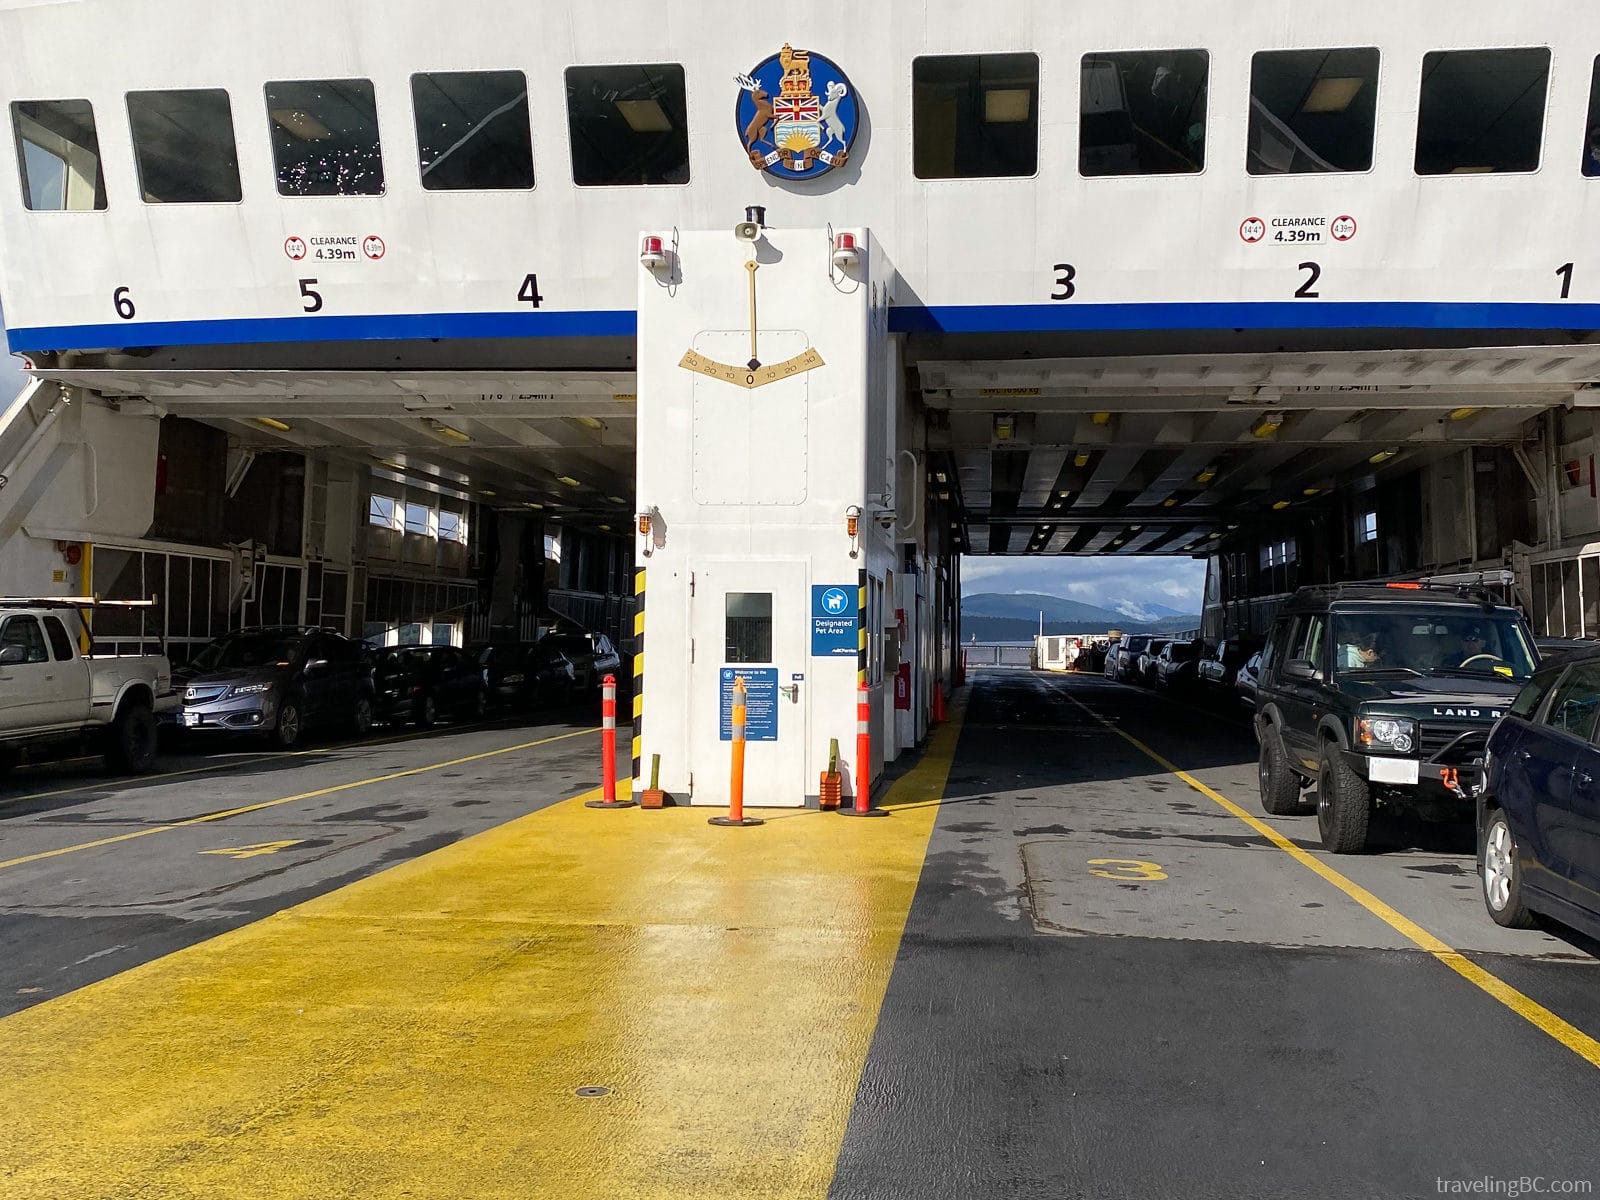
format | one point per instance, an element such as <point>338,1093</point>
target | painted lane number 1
<point>1565,271</point>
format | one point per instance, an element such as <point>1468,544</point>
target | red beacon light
<point>652,253</point>
<point>846,254</point>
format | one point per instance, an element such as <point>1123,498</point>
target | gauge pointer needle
<point>753,266</point>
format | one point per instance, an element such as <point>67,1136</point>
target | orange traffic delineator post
<point>938,702</point>
<point>608,749</point>
<point>863,805</point>
<point>736,778</point>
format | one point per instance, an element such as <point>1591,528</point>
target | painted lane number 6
<point>1126,868</point>
<point>123,304</point>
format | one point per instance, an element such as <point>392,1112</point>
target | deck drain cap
<point>588,1092</point>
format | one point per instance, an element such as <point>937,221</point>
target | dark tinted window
<point>1143,113</point>
<point>24,632</point>
<point>60,641</point>
<point>749,627</point>
<point>473,130</point>
<point>628,125</point>
<point>1533,694</point>
<point>183,145</point>
<point>58,151</point>
<point>1576,700</point>
<point>1591,144</point>
<point>325,137</point>
<point>1481,111</point>
<point>975,116</point>
<point>1312,111</point>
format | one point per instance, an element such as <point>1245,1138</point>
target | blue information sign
<point>834,613</point>
<point>760,703</point>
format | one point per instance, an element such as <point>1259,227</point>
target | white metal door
<point>749,619</point>
<point>29,689</point>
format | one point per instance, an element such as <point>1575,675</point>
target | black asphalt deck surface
<point>1014,1062</point>
<point>69,921</point>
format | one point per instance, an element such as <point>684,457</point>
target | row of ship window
<point>973,116</point>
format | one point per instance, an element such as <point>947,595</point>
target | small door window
<point>1575,702</point>
<point>60,642</point>
<point>183,146</point>
<point>473,130</point>
<point>628,125</point>
<point>749,627</point>
<point>1143,112</point>
<point>1481,112</point>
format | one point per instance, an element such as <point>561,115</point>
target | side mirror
<point>1302,669</point>
<point>12,654</point>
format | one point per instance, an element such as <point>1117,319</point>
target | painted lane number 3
<point>1126,868</point>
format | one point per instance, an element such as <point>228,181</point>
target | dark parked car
<point>1221,667</point>
<point>1246,681</point>
<point>592,656</point>
<point>1146,672</point>
<point>279,681</point>
<point>1539,807</point>
<point>1384,695</point>
<point>1558,649</point>
<point>420,684</point>
<point>525,674</point>
<point>1128,656</point>
<point>1175,665</point>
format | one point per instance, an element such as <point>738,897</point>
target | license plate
<point>1392,770</point>
<point>191,718</point>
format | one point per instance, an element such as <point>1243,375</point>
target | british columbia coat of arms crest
<point>797,115</point>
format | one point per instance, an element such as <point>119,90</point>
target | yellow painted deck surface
<point>422,1033</point>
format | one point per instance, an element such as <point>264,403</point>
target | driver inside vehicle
<point>1362,652</point>
<point>1472,646</point>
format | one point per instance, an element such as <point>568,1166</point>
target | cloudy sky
<point>1108,581</point>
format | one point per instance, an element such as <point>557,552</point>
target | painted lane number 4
<point>1126,868</point>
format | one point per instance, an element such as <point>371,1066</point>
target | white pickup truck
<point>52,698</point>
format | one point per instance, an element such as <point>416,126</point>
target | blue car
<point>1539,807</point>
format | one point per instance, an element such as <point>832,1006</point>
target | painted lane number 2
<point>1126,868</point>
<point>1313,273</point>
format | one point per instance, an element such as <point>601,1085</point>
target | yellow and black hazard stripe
<point>861,628</point>
<point>638,676</point>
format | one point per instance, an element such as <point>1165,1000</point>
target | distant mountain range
<point>1014,617</point>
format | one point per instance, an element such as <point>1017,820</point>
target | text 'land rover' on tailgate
<point>1383,694</point>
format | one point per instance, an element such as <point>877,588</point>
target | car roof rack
<point>1470,586</point>
<point>72,602</point>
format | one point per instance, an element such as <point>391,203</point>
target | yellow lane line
<point>431,1030</point>
<point>280,756</point>
<point>265,804</point>
<point>1530,1010</point>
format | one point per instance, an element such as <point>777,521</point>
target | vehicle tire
<point>361,718</point>
<point>427,711</point>
<point>131,748</point>
<point>1280,787</point>
<point>1344,805</point>
<point>291,724</point>
<point>1501,875</point>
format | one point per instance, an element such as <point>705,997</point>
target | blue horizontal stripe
<point>977,318</point>
<point>410,326</point>
<point>1284,314</point>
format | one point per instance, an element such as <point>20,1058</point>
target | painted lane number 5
<point>1125,868</point>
